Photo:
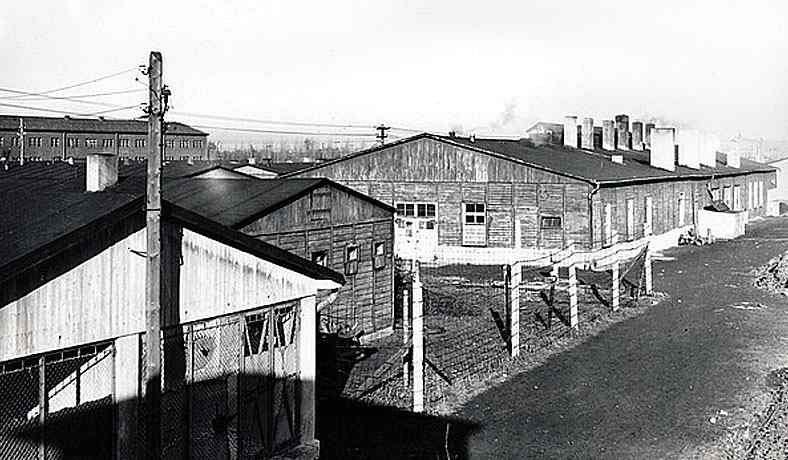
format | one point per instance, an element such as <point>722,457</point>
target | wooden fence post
<point>418,343</point>
<point>573,320</point>
<point>616,285</point>
<point>405,336</point>
<point>516,275</point>
<point>647,269</point>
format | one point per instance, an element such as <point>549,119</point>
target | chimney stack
<point>637,135</point>
<point>608,135</point>
<point>587,134</point>
<point>102,172</point>
<point>622,130</point>
<point>663,149</point>
<point>647,135</point>
<point>710,144</point>
<point>689,148</point>
<point>570,131</point>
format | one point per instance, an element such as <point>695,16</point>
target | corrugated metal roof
<point>91,125</point>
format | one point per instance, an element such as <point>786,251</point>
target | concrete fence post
<point>647,269</point>
<point>616,285</point>
<point>573,319</point>
<point>516,271</point>
<point>405,336</point>
<point>418,344</point>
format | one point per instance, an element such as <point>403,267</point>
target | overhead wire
<point>75,85</point>
<point>82,96</point>
<point>60,98</point>
<point>272,131</point>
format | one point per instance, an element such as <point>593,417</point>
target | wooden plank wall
<point>103,295</point>
<point>366,300</point>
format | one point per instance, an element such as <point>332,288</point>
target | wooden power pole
<point>153,258</point>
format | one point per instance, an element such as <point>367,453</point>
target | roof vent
<point>102,172</point>
<point>617,159</point>
<point>452,133</point>
<point>251,160</point>
<point>70,161</point>
<point>472,138</point>
<point>67,117</point>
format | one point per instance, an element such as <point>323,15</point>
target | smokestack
<point>102,172</point>
<point>649,127</point>
<point>689,148</point>
<point>608,135</point>
<point>587,134</point>
<point>570,131</point>
<point>622,130</point>
<point>663,148</point>
<point>637,135</point>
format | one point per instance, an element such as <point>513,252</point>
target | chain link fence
<point>58,405</point>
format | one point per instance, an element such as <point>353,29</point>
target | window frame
<point>320,254</point>
<point>477,212</point>
<point>351,264</point>
<point>543,220</point>
<point>379,257</point>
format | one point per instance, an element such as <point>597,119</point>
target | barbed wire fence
<point>462,322</point>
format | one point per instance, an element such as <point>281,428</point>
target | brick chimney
<point>637,135</point>
<point>663,149</point>
<point>587,134</point>
<point>570,131</point>
<point>102,171</point>
<point>622,132</point>
<point>608,135</point>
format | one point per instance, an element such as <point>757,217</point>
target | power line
<point>270,131</point>
<point>64,112</point>
<point>76,85</point>
<point>62,98</point>
<point>273,122</point>
<point>82,96</point>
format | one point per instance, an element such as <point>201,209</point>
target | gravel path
<point>683,380</point>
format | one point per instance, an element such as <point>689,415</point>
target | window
<point>91,142</point>
<point>630,219</point>
<point>423,210</point>
<point>184,144</point>
<point>197,144</point>
<point>716,194</point>
<point>681,211</point>
<point>607,230</point>
<point>474,228</point>
<point>170,143</point>
<point>320,204</point>
<point>550,222</point>
<point>320,258</point>
<point>123,142</point>
<point>378,255</point>
<point>72,142</point>
<point>107,143</point>
<point>15,141</point>
<point>727,196</point>
<point>737,197</point>
<point>759,194</point>
<point>139,143</point>
<point>648,220</point>
<point>351,260</point>
<point>54,142</point>
<point>34,141</point>
<point>2,141</point>
<point>750,195</point>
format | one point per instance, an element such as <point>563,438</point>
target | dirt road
<point>679,381</point>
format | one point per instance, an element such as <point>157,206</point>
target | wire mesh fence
<point>58,405</point>
<point>476,318</point>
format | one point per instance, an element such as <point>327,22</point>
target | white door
<point>416,231</point>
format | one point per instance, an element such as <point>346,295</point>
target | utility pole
<point>382,133</point>
<point>153,260</point>
<point>21,141</point>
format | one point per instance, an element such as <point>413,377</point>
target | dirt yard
<point>692,377</point>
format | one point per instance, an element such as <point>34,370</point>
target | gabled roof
<point>45,214</point>
<point>237,203</point>
<point>592,166</point>
<point>546,125</point>
<point>91,125</point>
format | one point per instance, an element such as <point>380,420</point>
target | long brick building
<point>50,138</point>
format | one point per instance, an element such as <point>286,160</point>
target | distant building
<point>751,149</point>
<point>49,138</point>
<point>462,200</point>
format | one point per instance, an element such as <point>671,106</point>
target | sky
<point>490,68</point>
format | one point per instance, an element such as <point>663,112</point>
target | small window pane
<point>421,210</point>
<point>470,208</point>
<point>430,210</point>
<point>469,219</point>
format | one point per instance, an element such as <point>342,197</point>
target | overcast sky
<point>488,67</point>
